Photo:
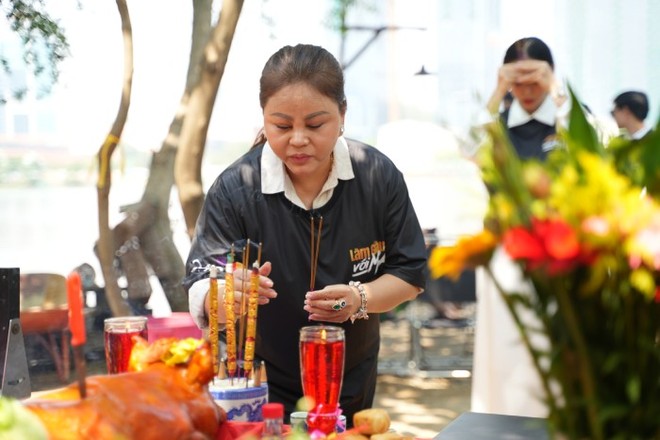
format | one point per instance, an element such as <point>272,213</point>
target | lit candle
<point>77,328</point>
<point>76,320</point>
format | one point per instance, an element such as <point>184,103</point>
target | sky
<point>89,88</point>
<point>91,78</point>
<point>459,44</point>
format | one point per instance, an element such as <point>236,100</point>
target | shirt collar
<point>546,113</point>
<point>641,132</point>
<point>274,178</point>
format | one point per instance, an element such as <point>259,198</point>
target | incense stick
<point>241,336</point>
<point>241,323</point>
<point>230,328</point>
<point>314,250</point>
<point>213,315</point>
<point>253,306</point>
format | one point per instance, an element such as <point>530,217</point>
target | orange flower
<point>467,253</point>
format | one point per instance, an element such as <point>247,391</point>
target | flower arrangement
<point>584,229</point>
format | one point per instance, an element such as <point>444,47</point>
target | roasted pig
<point>164,397</point>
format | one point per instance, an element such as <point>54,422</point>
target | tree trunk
<point>143,238</point>
<point>104,156</point>
<point>188,164</point>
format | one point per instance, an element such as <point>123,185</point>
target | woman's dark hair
<point>529,48</point>
<point>303,63</point>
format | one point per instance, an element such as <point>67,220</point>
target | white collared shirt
<point>275,179</point>
<point>641,132</point>
<point>546,113</point>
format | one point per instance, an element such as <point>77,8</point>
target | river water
<point>54,229</point>
<point>47,229</point>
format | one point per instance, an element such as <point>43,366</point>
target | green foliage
<point>18,423</point>
<point>581,134</point>
<point>600,314</point>
<point>44,42</point>
<point>339,13</point>
<point>639,159</point>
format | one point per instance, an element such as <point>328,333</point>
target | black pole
<point>14,375</point>
<point>376,31</point>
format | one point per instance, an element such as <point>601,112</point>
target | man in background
<point>629,112</point>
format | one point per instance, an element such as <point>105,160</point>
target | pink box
<point>178,325</point>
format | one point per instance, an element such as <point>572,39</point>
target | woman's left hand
<point>334,303</point>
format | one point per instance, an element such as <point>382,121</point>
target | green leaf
<point>181,351</point>
<point>581,134</point>
<point>649,146</point>
<point>633,389</point>
<point>612,362</point>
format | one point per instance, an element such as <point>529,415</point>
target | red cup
<point>118,335</point>
<point>322,369</point>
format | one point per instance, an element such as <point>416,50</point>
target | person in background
<point>504,380</point>
<point>341,242</point>
<point>629,112</point>
<point>527,73</point>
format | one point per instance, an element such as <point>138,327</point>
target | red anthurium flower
<point>522,244</point>
<point>559,239</point>
<point>551,244</point>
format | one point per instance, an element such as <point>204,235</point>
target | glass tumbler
<point>118,336</point>
<point>322,350</point>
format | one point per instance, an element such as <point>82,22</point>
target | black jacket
<point>369,228</point>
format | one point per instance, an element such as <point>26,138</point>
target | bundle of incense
<point>231,316</point>
<point>253,304</point>
<point>213,316</point>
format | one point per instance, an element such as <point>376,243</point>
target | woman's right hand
<point>242,280</point>
<point>525,72</point>
<point>242,283</point>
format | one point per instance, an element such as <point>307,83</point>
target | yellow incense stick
<point>241,322</point>
<point>213,316</point>
<point>231,316</point>
<point>253,303</point>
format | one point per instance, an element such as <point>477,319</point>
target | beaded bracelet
<point>362,311</point>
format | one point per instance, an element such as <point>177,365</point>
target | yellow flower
<point>467,253</point>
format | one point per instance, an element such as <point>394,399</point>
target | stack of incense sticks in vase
<point>240,333</point>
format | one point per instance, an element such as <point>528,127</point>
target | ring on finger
<point>339,304</point>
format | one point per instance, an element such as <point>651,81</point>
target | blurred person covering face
<point>302,126</point>
<point>527,71</point>
<point>531,84</point>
